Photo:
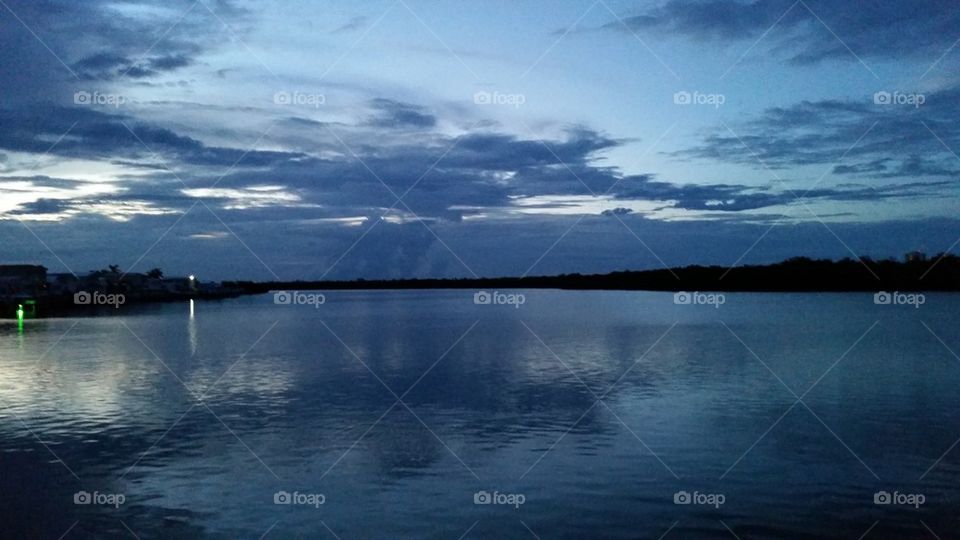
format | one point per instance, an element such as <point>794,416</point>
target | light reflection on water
<point>200,414</point>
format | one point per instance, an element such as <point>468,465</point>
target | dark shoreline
<point>56,306</point>
<point>798,275</point>
<point>795,275</point>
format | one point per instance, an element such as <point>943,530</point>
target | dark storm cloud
<point>737,198</point>
<point>871,28</point>
<point>101,61</point>
<point>488,170</point>
<point>52,45</point>
<point>853,137</point>
<point>93,134</point>
<point>107,66</point>
<point>395,114</point>
<point>439,177</point>
<point>717,19</point>
<point>170,62</point>
<point>43,206</point>
<point>501,152</point>
<point>491,170</point>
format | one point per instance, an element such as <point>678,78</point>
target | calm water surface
<point>596,410</point>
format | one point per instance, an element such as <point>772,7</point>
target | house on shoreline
<point>22,280</point>
<point>48,293</point>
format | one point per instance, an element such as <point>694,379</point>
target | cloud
<point>870,28</point>
<point>108,66</point>
<point>856,138</point>
<point>300,185</point>
<point>395,115</point>
<point>84,132</point>
<point>358,170</point>
<point>61,44</point>
<point>43,206</point>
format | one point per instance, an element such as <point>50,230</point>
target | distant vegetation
<point>916,272</point>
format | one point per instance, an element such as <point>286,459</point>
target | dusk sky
<point>406,138</point>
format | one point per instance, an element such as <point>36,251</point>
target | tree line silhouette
<point>916,272</point>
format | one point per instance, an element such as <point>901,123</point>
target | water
<point>199,422</point>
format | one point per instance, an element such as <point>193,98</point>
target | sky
<point>407,138</point>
